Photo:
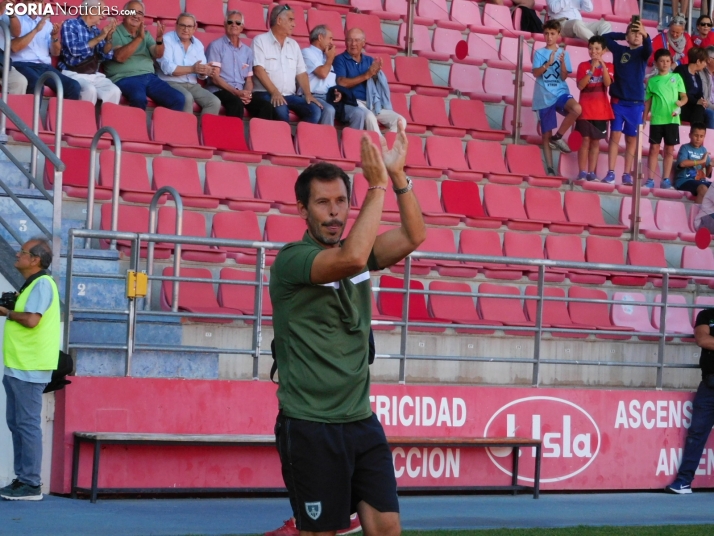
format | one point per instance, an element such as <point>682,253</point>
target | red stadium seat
<point>694,258</point>
<point>162,9</point>
<point>471,115</point>
<point>508,55</point>
<point>23,106</point>
<point>652,254</point>
<point>485,157</point>
<point>555,313</point>
<point>394,85</point>
<point>300,31</point>
<point>458,309</point>
<point>672,216</point>
<point>593,315</point>
<point>632,316</point>
<point>379,317</point>
<point>372,29</point>
<point>427,193</point>
<point>647,225</point>
<point>430,111</point>
<point>677,319</point>
<point>392,304</point>
<point>373,7</point>
<point>414,71</point>
<point>398,7</point>
<point>498,83</point>
<point>570,248</point>
<point>332,19</point>
<point>482,48</point>
<point>468,13</point>
<point>444,42</point>
<point>319,143</point>
<point>194,297</point>
<point>240,226</point>
<point>277,185</point>
<point>609,251</point>
<point>331,5</point>
<point>390,210</point>
<point>194,224</point>
<point>242,297</point>
<point>584,207</point>
<point>209,37</point>
<point>274,139</point>
<point>467,80</point>
<point>416,164</point>
<point>79,125</point>
<point>447,154</point>
<point>508,311</point>
<point>442,241</point>
<point>463,198</point>
<point>437,12</point>
<point>75,178</point>
<point>178,131</point>
<point>279,228</point>
<point>254,17</point>
<point>504,202</point>
<point>623,10</point>
<point>182,174</point>
<point>207,12</point>
<point>530,246</point>
<point>499,17</point>
<point>422,44</point>
<point>352,143</point>
<point>526,160</point>
<point>228,136</point>
<point>134,183</point>
<point>399,105</point>
<point>130,124</point>
<point>230,182</point>
<point>131,219</point>
<point>529,124</point>
<point>547,205</point>
<point>473,242</point>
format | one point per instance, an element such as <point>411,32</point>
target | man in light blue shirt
<point>17,83</point>
<point>184,62</point>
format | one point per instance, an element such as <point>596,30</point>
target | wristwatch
<point>160,42</point>
<point>408,187</point>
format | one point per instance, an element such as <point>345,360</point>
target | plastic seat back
<point>317,140</point>
<point>506,310</point>
<point>524,245</point>
<point>671,216</point>
<point>132,219</point>
<point>133,173</point>
<point>646,214</point>
<point>271,137</point>
<point>352,142</point>
<point>589,314</point>
<point>544,204</point>
<point>555,313</point>
<point>482,47</point>
<point>359,192</point>
<point>242,297</point>
<point>462,198</point>
<point>445,40</point>
<point>392,303</point>
<point>129,122</point>
<point>194,223</point>
<point>181,173</point>
<point>169,126</point>
<point>254,17</point>
<point>456,308</point>
<point>564,248</point>
<point>415,149</point>
<point>228,180</point>
<point>427,193</point>
<point>502,201</point>
<point>630,316</point>
<point>485,156</point>
<point>192,294</point>
<point>234,225</point>
<point>162,9</point>
<point>446,153</point>
<point>223,132</point>
<point>332,19</point>
<point>78,117</point>
<point>469,114</point>
<point>413,70</point>
<point>276,183</point>
<point>429,111</point>
<point>677,319</point>
<point>477,242</point>
<point>206,11</point>
<point>583,207</point>
<point>279,228</point>
<point>646,254</point>
<point>77,171</point>
<point>604,250</point>
<point>369,24</point>
<point>524,160</point>
<point>466,78</point>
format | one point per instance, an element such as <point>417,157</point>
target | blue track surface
<point>56,516</point>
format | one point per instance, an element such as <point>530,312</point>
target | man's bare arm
<point>703,338</point>
<point>29,320</point>
<point>357,80</point>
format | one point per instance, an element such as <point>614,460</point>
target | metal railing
<point>538,328</point>
<point>116,180</point>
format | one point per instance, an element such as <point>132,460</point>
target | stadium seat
<point>482,48</point>
<point>488,243</point>
<point>379,317</point>
<point>132,219</point>
<point>178,131</point>
<point>78,125</point>
<point>277,185</point>
<point>274,139</point>
<point>570,248</point>
<point>438,13</point>
<point>388,70</point>
<point>300,32</point>
<point>162,9</point>
<point>693,212</point>
<point>75,178</point>
<point>546,205</point>
<point>467,12</point>
<point>414,71</point>
<point>526,160</point>
<point>130,124</point>
<point>390,210</point>
<point>584,207</point>
<point>647,225</point>
<point>529,124</point>
<point>652,254</point>
<point>499,17</point>
<point>208,37</point>
<point>399,105</point>
<point>279,228</point>
<point>504,202</point>
<point>416,164</point>
<point>694,258</point>
<point>485,157</point>
<point>508,311</point>
<point>352,143</point>
<point>471,115</point>
<point>444,42</point>
<point>330,5</point>
<point>463,198</point>
<point>23,106</point>
<point>508,56</point>
<point>227,135</point>
<point>625,315</point>
<point>610,251</point>
<point>442,241</point>
<point>194,297</point>
<point>672,216</point>
<point>392,304</point>
<point>134,183</point>
<point>530,246</point>
<point>242,297</point>
<point>372,29</point>
<point>467,79</point>
<point>622,13</point>
<point>319,143</point>
<point>555,313</point>
<point>458,309</point>
<point>427,193</point>
<point>253,16</point>
<point>243,225</point>
<point>677,319</point>
<point>332,19</point>
<point>498,83</point>
<point>430,111</point>
<point>182,174</point>
<point>194,224</point>
<point>207,12</point>
<point>373,7</point>
<point>593,315</point>
<point>447,154</point>
<point>230,182</point>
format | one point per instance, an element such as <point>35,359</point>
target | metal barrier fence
<point>133,312</point>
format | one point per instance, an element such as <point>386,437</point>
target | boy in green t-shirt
<point>665,96</point>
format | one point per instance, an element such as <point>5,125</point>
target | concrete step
<point>145,364</point>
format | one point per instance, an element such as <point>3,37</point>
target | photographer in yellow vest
<point>30,352</point>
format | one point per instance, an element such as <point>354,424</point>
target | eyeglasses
<point>236,22</point>
<point>286,8</point>
<point>23,252</point>
<point>354,40</point>
<point>138,14</point>
<point>706,24</point>
<point>186,26</point>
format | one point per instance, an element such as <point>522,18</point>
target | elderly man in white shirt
<point>16,84</point>
<point>571,21</point>
<point>184,62</point>
<point>278,64</point>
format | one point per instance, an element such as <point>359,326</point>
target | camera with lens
<point>7,300</point>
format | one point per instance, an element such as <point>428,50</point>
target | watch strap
<point>408,187</point>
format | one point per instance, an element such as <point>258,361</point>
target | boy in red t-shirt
<point>593,78</point>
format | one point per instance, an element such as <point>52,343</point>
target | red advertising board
<point>593,439</point>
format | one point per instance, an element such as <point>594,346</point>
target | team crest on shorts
<point>313,509</point>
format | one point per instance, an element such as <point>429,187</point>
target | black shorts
<point>670,134</point>
<point>329,468</point>
<point>594,129</point>
<point>692,186</point>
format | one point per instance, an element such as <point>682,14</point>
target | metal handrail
<point>116,179</point>
<point>5,78</point>
<point>39,89</point>
<point>176,239</point>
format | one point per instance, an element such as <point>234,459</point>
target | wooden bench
<point>110,438</point>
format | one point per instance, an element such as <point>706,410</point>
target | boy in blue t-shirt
<point>694,164</point>
<point>551,94</point>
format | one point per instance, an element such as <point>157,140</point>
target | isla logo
<point>571,438</point>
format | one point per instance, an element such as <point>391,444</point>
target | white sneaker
<point>561,145</point>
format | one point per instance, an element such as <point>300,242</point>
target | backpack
<point>530,21</point>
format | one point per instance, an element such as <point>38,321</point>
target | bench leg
<point>95,471</point>
<point>536,480</point>
<point>75,467</point>
<point>514,477</point>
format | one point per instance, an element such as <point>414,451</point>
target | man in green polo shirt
<point>30,352</point>
<point>334,454</point>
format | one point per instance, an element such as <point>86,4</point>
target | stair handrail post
<point>5,76</point>
<point>91,183</point>
<point>39,89</point>
<point>153,223</point>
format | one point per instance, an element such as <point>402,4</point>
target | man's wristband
<point>408,187</point>
<point>8,315</point>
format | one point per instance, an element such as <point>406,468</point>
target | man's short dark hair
<point>599,39</point>
<point>702,17</point>
<point>662,52</point>
<point>322,171</point>
<point>551,25</point>
<point>42,250</point>
<point>697,125</point>
<point>696,54</point>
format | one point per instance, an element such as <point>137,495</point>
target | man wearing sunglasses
<point>279,65</point>
<point>31,344</point>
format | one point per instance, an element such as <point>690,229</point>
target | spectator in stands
<point>685,8</point>
<point>84,47</point>
<point>132,68</point>
<point>232,76</point>
<point>184,62</point>
<point>707,76</point>
<point>530,4</point>
<point>38,39</point>
<point>705,216</point>
<point>551,94</point>
<point>363,75</point>
<point>704,36</point>
<point>703,407</point>
<point>31,344</point>
<point>665,96</point>
<point>627,94</point>
<point>17,83</point>
<point>278,64</point>
<point>594,77</point>
<point>693,111</point>
<point>676,40</point>
<point>694,164</point>
<point>567,12</point>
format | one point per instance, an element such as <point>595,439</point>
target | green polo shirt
<point>140,61</point>
<point>321,338</point>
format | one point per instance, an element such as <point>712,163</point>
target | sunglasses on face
<point>237,23</point>
<point>706,24</point>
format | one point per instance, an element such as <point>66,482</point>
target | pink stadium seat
<point>610,251</point>
<point>332,19</point>
<point>570,248</point>
<point>555,313</point>
<point>399,105</point>
<point>467,80</point>
<point>568,167</point>
<point>652,254</point>
<point>694,258</point>
<point>415,72</point>
<point>392,304</point>
<point>508,56</point>
<point>647,225</point>
<point>485,157</point>
<point>693,211</point>
<point>240,226</point>
<point>253,14</point>
<point>207,12</point>
<point>593,315</point>
<point>75,179</point>
<point>601,9</point>
<point>394,85</point>
<point>416,164</point>
<point>479,242</point>
<point>274,139</point>
<point>430,111</point>
<point>182,174</point>
<point>230,182</point>
<point>23,106</point>
<point>442,241</point>
<point>503,201</point>
<point>422,43</point>
<point>352,142</point>
<point>447,154</point>
<point>279,228</point>
<point>79,125</point>
<point>632,316</point>
<point>672,216</point>
<point>208,37</point>
<point>499,17</point>
<point>300,31</point>
<point>529,124</point>
<point>427,193</point>
<point>319,143</point>
<point>527,161</point>
<point>194,297</point>
<point>463,198</point>
<point>228,136</point>
<point>584,207</point>
<point>546,205</point>
<point>677,319</point>
<point>498,83</point>
<point>444,42</point>
<point>577,56</point>
<point>481,48</point>
<point>467,12</point>
<point>390,210</point>
<point>372,29</point>
<point>242,297</point>
<point>134,183</point>
<point>194,224</point>
<point>530,246</point>
<point>437,11</point>
<point>130,124</point>
<point>471,115</point>
<point>178,131</point>
<point>162,9</point>
<point>458,309</point>
<point>330,5</point>
<point>373,7</point>
<point>132,219</point>
<point>379,317</point>
<point>508,311</point>
<point>623,10</point>
<point>277,185</point>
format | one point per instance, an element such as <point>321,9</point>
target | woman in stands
<point>676,40</point>
<point>703,37</point>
